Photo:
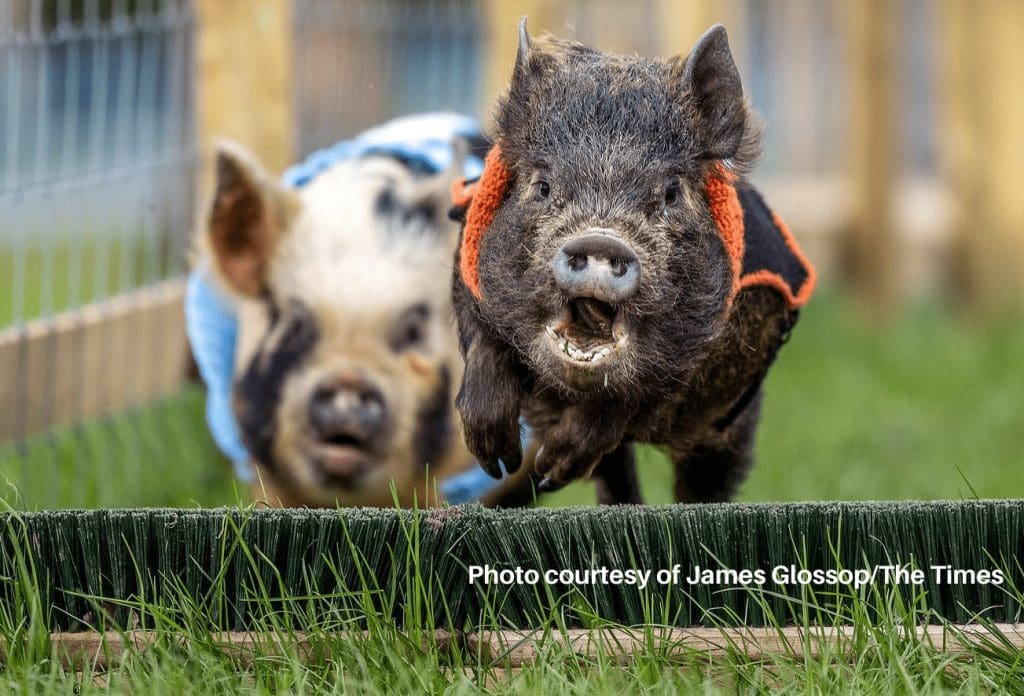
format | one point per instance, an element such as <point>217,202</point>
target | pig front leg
<point>488,401</point>
<point>574,446</point>
<point>712,470</point>
<point>616,479</point>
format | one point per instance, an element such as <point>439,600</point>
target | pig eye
<point>543,190</point>
<point>672,194</point>
<point>411,328</point>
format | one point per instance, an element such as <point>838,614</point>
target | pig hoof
<point>493,468</point>
<point>548,485</point>
<point>507,464</point>
<point>497,462</point>
<point>512,461</point>
<point>495,444</point>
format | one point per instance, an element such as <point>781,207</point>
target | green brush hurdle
<point>457,565</point>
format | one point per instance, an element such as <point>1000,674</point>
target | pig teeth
<point>586,356</point>
<point>575,352</point>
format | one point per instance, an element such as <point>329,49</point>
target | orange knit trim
<point>484,197</point>
<point>774,280</point>
<point>727,212</point>
<point>728,215</point>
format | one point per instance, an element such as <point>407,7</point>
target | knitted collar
<point>762,250</point>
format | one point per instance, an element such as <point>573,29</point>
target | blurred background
<point>893,147</point>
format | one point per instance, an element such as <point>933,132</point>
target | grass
<point>387,661</point>
<point>158,456</point>
<point>928,408</point>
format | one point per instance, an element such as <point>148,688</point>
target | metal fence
<point>359,62</point>
<point>97,171</point>
<point>97,152</point>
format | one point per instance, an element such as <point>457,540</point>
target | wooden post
<point>872,243</point>
<point>501,19</point>
<point>979,52</point>
<point>244,78</point>
<point>680,22</point>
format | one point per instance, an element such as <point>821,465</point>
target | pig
<point>346,358</point>
<point>618,280</point>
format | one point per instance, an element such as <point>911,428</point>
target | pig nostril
<point>323,395</point>
<point>371,400</point>
<point>619,267</point>
<point>577,263</point>
<point>346,407</point>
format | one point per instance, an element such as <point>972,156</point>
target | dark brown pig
<point>618,280</point>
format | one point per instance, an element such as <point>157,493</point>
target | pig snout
<point>598,264</point>
<point>347,410</point>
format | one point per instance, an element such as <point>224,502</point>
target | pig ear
<point>521,71</point>
<point>249,214</point>
<point>711,80</point>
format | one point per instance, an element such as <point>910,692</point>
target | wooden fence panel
<point>93,361</point>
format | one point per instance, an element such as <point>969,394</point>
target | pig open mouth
<point>588,331</point>
<point>342,459</point>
